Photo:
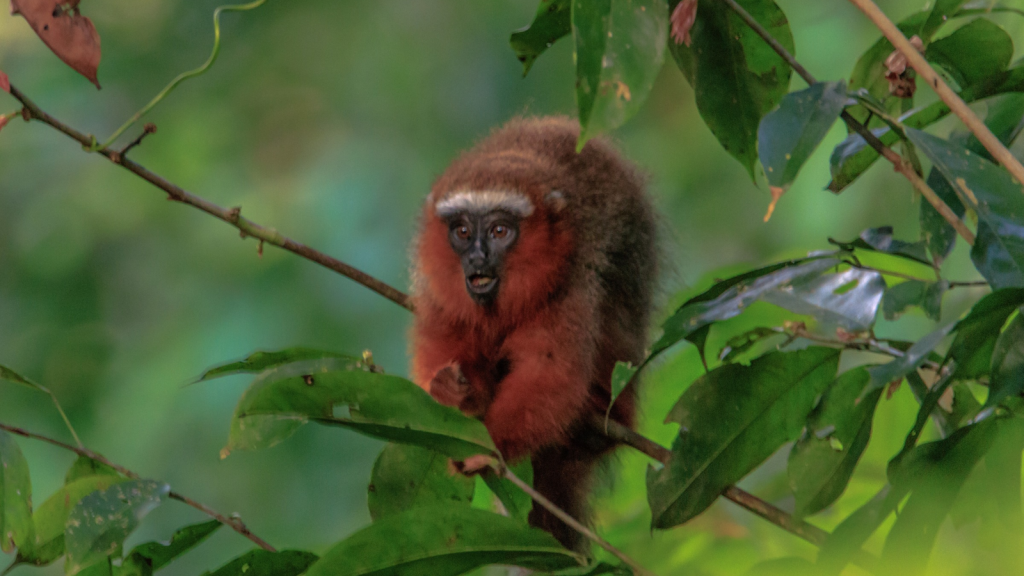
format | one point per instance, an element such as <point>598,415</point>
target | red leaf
<point>683,18</point>
<point>4,119</point>
<point>901,81</point>
<point>70,36</point>
<point>5,82</point>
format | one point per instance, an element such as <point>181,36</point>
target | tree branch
<point>231,216</point>
<point>235,524</point>
<point>948,96</point>
<point>901,165</point>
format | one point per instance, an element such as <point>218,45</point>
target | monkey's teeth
<point>480,280</point>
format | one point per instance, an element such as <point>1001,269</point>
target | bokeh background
<point>328,121</point>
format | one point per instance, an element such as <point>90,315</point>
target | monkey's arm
<point>547,390</point>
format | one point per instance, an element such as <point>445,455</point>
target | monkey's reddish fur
<point>573,298</point>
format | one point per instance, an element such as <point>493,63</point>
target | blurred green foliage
<point>328,121</point>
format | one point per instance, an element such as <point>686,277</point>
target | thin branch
<point>231,216</point>
<point>898,162</point>
<point>744,499</point>
<point>948,96</point>
<point>572,522</point>
<point>235,524</point>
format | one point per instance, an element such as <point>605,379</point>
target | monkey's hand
<point>449,386</point>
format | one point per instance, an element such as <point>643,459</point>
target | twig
<point>148,129</point>
<point>901,165</point>
<point>572,522</point>
<point>233,217</point>
<point>235,524</point>
<point>948,96</point>
<point>746,500</point>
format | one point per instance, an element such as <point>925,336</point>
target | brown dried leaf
<point>5,82</point>
<point>683,18</point>
<point>901,80</point>
<point>70,36</point>
<point>4,119</point>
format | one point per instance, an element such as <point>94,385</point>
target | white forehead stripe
<point>484,201</point>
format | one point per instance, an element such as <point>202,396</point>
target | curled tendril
<point>184,75</point>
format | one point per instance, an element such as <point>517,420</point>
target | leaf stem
<point>948,96</point>
<point>902,166</point>
<point>234,523</point>
<point>184,75</point>
<point>572,522</point>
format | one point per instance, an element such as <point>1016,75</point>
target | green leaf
<point>331,392</point>
<point>260,361</point>
<point>976,333</point>
<point>790,566</point>
<point>84,467</point>
<point>998,252</point>
<point>925,295</point>
<point>852,532</point>
<point>263,563</point>
<point>935,472</point>
<point>736,77</point>
<point>730,297</point>
<point>443,541</point>
<point>550,24</point>
<point>156,555</point>
<point>12,376</point>
<point>847,299</point>
<point>516,502</point>
<point>910,361</point>
<point>929,406</point>
<point>99,524</point>
<point>732,419</point>
<point>941,11</point>
<point>741,343</point>
<point>620,47</point>
<point>407,477</point>
<point>823,459</point>
<point>622,375</point>
<point>15,496</point>
<point>1007,363</point>
<point>935,230</point>
<point>51,518</point>
<point>973,52</point>
<point>881,239</point>
<point>788,135</point>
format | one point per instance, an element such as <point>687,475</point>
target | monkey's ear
<point>556,201</point>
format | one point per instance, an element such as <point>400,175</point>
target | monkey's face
<point>482,240</point>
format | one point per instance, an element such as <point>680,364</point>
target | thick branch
<point>901,165</point>
<point>948,96</point>
<point>231,216</point>
<point>235,524</point>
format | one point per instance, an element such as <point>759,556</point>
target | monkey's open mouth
<point>480,284</point>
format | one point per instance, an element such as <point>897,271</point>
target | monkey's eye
<point>462,232</point>
<point>498,232</point>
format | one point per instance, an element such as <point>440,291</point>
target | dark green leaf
<point>940,12</point>
<point>973,52</point>
<point>12,376</point>
<point>910,361</point>
<point>847,299</point>
<point>998,252</point>
<point>929,405</point>
<point>736,77</point>
<point>260,361</point>
<point>935,230</point>
<point>934,474</point>
<point>1005,118</point>
<point>788,135</point>
<point>740,344</point>
<point>620,46</point>
<point>823,459</point>
<point>550,24</point>
<point>332,392</point>
<point>443,541</point>
<point>15,496</point>
<point>732,419</point>
<point>99,524</point>
<point>596,570</point>
<point>926,295</point>
<point>976,334</point>
<point>85,467</point>
<point>1008,363</point>
<point>516,502</point>
<point>406,477</point>
<point>881,240</point>
<point>156,555</point>
<point>51,518</point>
<point>730,297</point>
<point>622,375</point>
<point>852,532</point>
<point>264,563</point>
